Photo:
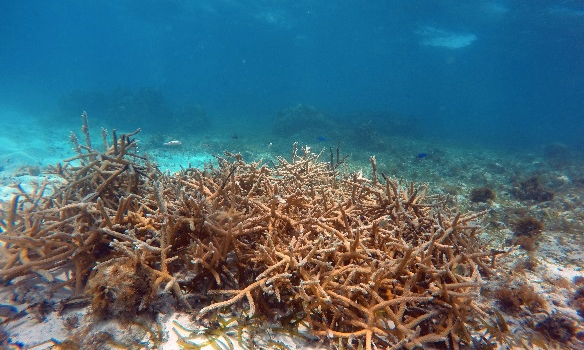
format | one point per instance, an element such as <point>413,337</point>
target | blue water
<point>497,73</point>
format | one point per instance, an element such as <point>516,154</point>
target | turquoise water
<point>505,74</point>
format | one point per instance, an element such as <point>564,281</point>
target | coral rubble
<point>370,261</point>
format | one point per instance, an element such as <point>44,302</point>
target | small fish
<point>320,138</point>
<point>173,143</point>
<point>422,155</point>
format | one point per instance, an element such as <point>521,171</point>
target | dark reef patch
<point>526,232</point>
<point>559,328</point>
<point>532,189</point>
<point>482,195</point>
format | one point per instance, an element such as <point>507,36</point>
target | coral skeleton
<point>374,261</point>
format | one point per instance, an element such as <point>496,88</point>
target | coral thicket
<point>360,260</point>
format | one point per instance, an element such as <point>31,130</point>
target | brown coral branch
<point>239,294</point>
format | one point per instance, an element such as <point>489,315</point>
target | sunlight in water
<point>433,36</point>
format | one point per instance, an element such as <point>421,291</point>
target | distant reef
<point>147,108</point>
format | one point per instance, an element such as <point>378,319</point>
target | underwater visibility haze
<point>502,73</point>
<point>270,175</point>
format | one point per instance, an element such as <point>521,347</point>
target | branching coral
<point>361,260</point>
<point>102,197</point>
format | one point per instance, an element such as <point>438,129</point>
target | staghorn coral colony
<point>360,262</point>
